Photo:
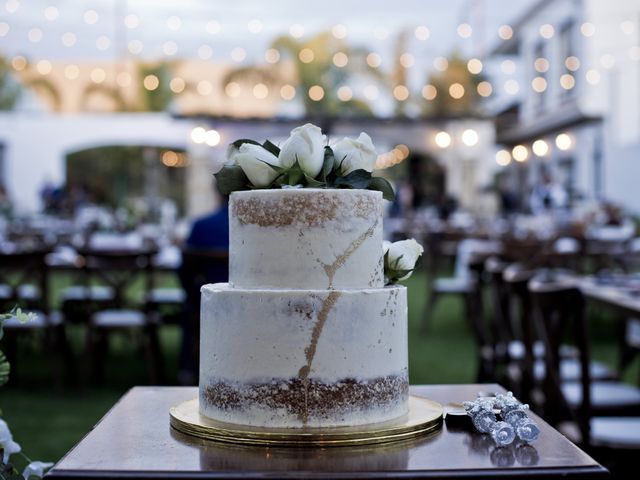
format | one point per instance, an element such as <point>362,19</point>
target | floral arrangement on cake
<point>303,160</point>
<point>400,259</point>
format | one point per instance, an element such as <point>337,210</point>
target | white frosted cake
<point>305,334</point>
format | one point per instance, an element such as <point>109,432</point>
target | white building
<point>575,90</point>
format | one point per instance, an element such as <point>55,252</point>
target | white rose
<point>36,469</point>
<point>7,445</point>
<point>254,161</point>
<point>353,154</point>
<point>306,145</point>
<point>403,255</point>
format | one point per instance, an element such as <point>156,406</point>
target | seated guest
<point>209,233</point>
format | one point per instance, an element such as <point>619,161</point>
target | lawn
<point>48,422</point>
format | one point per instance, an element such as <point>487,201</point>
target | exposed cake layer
<point>306,238</point>
<point>293,358</point>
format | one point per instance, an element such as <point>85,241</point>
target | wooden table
<point>135,440</point>
<point>610,295</point>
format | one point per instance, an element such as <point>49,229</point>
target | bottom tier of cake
<point>303,358</point>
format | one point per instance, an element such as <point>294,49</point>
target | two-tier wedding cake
<point>305,334</point>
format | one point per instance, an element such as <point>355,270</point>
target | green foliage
<point>231,178</point>
<point>9,88</point>
<point>5,369</point>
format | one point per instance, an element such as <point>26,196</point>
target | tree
<point>9,89</point>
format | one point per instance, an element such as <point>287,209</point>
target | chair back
<point>560,309</point>
<point>21,269</point>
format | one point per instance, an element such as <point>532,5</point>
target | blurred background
<point>509,128</point>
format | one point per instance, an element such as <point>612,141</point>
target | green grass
<point>48,422</point>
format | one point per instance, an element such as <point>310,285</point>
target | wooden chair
<point>585,402</point>
<point>25,270</point>
<point>199,267</point>
<point>119,270</point>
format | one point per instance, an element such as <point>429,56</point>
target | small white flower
<point>36,469</point>
<point>353,154</point>
<point>255,162</point>
<point>306,146</point>
<point>402,256</point>
<point>7,444</point>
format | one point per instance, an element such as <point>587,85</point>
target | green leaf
<point>312,182</point>
<point>270,147</point>
<point>382,185</point>
<point>327,164</point>
<point>231,178</point>
<point>237,143</point>
<point>5,368</point>
<point>356,179</point>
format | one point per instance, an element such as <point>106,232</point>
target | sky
<point>72,30</point>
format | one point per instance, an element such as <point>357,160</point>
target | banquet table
<point>612,294</point>
<point>134,440</point>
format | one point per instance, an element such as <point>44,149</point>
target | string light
<point>593,76</point>
<point>400,93</point>
<point>442,139</point>
<point>12,6</point>
<point>607,60</point>
<point>374,60</point>
<point>212,138</point>
<point>474,66</point>
<point>51,13</point>
<point>484,89</point>
<point>503,158</point>
<point>340,59</point>
<point>238,54</point>
<point>371,92</point>
<point>287,92</point>
<point>541,65</point>
<point>131,21</point>
<point>90,17</point>
<point>71,72</point>
<point>260,91</point>
<point>4,29</point>
<point>103,42</point>
<point>539,84</point>
<point>547,31</point>
<point>627,27</point>
<point>540,148</point>
<point>407,60</point>
<point>212,27</point>
<point>470,137</point>
<point>567,81</point>
<point>588,29</point>
<point>44,67</point>
<point>204,88</point>
<point>505,32</point>
<point>98,75</point>
<point>456,91</point>
<point>233,89</point>
<point>174,23</point>
<point>296,30</point>
<point>520,153</point>
<point>151,82</point>
<point>34,35</point>
<point>564,141</point>
<point>177,85</point>
<point>19,63</point>
<point>512,87</point>
<point>316,93</point>
<point>306,55</point>
<point>634,53</point>
<point>198,135</point>
<point>464,30</point>
<point>508,67</point>
<point>124,79</point>
<point>254,26</point>
<point>345,94</point>
<point>422,33</point>
<point>440,64</point>
<point>69,39</point>
<point>339,31</point>
<point>135,47</point>
<point>205,52</point>
<point>170,48</point>
<point>272,55</point>
<point>572,63</point>
<point>429,92</point>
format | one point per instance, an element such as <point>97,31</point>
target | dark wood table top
<point>610,294</point>
<point>134,440</point>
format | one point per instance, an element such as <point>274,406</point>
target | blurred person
<point>208,233</point>
<point>6,206</point>
<point>547,195</point>
<point>509,202</point>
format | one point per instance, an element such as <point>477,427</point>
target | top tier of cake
<point>306,239</point>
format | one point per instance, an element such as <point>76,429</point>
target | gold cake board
<point>424,416</point>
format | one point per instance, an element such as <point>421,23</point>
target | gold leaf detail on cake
<point>332,268</point>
